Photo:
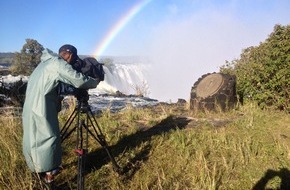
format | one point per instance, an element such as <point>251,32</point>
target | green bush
<point>263,71</point>
<point>27,60</point>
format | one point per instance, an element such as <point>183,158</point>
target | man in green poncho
<point>41,134</point>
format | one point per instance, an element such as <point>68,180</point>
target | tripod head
<point>82,96</point>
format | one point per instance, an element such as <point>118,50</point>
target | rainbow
<point>113,32</point>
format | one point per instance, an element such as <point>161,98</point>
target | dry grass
<point>169,147</point>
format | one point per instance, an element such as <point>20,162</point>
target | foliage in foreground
<point>169,148</point>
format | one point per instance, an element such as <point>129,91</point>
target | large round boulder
<point>214,91</point>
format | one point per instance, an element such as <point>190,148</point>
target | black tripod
<point>85,125</point>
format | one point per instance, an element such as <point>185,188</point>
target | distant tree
<point>27,60</point>
<point>263,72</point>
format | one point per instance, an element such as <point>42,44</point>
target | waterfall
<point>128,78</point>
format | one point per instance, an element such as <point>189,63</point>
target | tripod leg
<point>81,150</point>
<point>64,131</point>
<point>81,179</point>
<point>101,139</point>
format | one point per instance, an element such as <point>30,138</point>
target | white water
<point>12,79</point>
<point>126,78</point>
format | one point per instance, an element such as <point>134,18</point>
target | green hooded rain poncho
<point>41,134</point>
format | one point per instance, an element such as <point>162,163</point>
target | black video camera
<point>82,95</point>
<point>66,89</point>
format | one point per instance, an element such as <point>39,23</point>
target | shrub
<point>27,60</point>
<point>263,71</point>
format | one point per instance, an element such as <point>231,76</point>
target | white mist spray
<point>128,78</point>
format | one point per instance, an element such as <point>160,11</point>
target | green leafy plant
<point>27,60</point>
<point>263,71</point>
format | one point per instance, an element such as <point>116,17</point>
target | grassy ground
<point>167,147</point>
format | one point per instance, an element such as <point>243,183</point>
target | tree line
<point>6,58</point>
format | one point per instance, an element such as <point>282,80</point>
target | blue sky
<point>188,37</point>
<point>84,23</point>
